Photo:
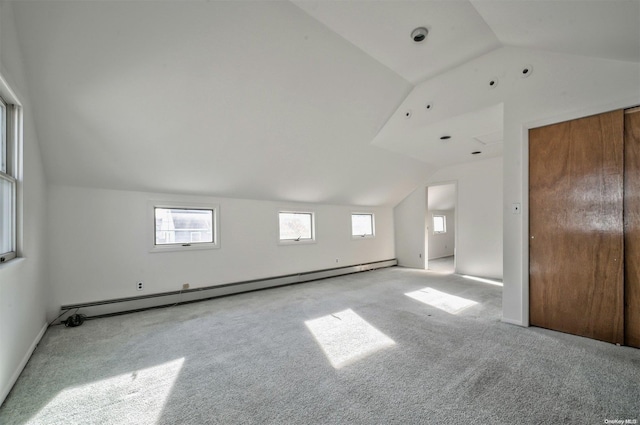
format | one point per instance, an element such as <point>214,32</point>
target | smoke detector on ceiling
<point>419,34</point>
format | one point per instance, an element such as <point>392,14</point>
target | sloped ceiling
<point>273,100</point>
<point>605,29</point>
<point>254,100</point>
<point>460,31</point>
<point>382,29</point>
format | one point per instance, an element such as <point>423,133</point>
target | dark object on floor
<point>74,320</point>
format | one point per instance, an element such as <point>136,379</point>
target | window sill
<point>179,248</point>
<point>13,262</point>
<point>301,242</point>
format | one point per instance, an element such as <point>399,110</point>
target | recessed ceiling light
<point>418,35</point>
<point>476,152</point>
<point>445,137</point>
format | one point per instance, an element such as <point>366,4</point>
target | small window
<point>8,180</point>
<point>296,226</point>
<point>184,227</point>
<point>362,225</point>
<point>439,224</point>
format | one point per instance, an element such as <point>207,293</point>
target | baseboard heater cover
<point>117,306</point>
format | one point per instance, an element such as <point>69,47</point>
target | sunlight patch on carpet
<point>446,302</point>
<point>483,280</point>
<point>346,337</point>
<point>134,397</point>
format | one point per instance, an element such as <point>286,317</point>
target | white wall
<point>441,244</point>
<point>561,87</point>
<point>23,280</point>
<point>409,218</point>
<point>478,218</point>
<point>100,241</point>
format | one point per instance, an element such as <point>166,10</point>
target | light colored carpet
<point>393,346</point>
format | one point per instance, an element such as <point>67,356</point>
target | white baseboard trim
<point>513,322</point>
<point>23,363</point>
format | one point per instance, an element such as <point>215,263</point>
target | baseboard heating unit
<point>145,302</point>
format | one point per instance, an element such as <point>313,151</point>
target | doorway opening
<point>440,238</point>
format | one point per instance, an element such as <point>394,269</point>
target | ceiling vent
<point>490,139</point>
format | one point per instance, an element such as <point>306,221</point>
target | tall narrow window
<point>8,146</point>
<point>296,226</point>
<point>439,224</point>
<point>362,225</point>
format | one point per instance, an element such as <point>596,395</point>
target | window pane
<point>439,225</point>
<point>361,224</point>
<point>3,137</point>
<point>6,216</point>
<point>295,226</point>
<point>183,226</point>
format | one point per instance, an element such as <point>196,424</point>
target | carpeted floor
<point>442,265</point>
<point>393,346</point>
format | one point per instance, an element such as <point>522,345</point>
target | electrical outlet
<point>336,260</point>
<point>185,286</point>
<point>140,286</point>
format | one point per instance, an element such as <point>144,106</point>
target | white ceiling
<point>241,99</point>
<point>606,29</point>
<point>476,131</point>
<point>275,100</point>
<point>382,29</point>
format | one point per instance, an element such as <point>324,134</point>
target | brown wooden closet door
<point>576,227</point>
<point>632,226</point>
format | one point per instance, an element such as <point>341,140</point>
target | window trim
<point>299,241</point>
<point>373,226</point>
<point>13,140</point>
<point>177,247</point>
<point>444,223</point>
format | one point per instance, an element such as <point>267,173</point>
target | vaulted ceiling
<point>274,100</point>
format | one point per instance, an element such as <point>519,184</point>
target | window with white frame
<point>8,173</point>
<point>439,224</point>
<point>294,226</point>
<point>179,227</point>
<point>362,225</point>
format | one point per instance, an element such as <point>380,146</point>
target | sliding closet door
<point>576,227</point>
<point>632,226</point>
